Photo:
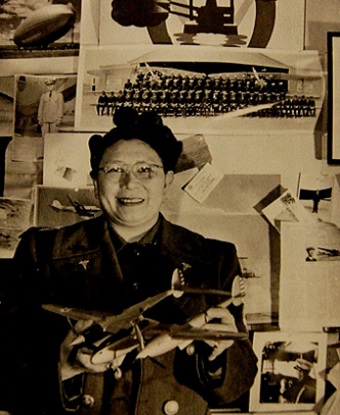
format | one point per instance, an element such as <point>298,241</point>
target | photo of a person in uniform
<point>301,389</point>
<point>51,108</point>
<point>304,390</point>
<point>102,103</point>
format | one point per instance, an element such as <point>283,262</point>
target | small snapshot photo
<point>291,371</point>
<point>31,28</point>
<point>315,192</point>
<point>286,208</point>
<point>322,243</point>
<point>15,217</point>
<point>44,104</point>
<point>57,206</point>
<point>67,160</point>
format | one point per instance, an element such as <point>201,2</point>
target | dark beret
<point>147,127</point>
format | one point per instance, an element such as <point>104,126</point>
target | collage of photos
<point>169,207</point>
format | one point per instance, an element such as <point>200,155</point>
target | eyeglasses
<point>141,170</point>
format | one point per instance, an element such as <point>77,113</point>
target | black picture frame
<point>333,63</point>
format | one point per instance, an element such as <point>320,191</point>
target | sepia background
<point>269,186</point>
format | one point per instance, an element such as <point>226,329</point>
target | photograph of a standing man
<point>51,108</point>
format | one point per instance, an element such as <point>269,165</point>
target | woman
<point>129,253</point>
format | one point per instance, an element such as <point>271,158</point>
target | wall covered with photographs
<point>243,84</point>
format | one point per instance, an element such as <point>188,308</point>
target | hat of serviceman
<point>303,364</point>
<point>50,81</point>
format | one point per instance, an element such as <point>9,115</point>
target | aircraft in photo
<point>84,211</point>
<point>316,195</point>
<point>112,337</point>
<point>45,25</point>
<point>41,28</point>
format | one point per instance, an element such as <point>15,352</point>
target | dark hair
<point>147,127</point>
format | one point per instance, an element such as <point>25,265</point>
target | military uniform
<point>88,265</point>
<point>50,111</point>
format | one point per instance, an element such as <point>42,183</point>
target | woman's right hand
<point>76,359</point>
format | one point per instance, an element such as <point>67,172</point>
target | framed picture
<point>333,44</point>
<point>291,368</point>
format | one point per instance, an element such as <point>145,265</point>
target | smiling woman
<point>131,196</point>
<point>132,167</point>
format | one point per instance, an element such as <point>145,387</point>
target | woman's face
<point>128,194</point>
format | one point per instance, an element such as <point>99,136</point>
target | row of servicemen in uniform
<point>205,96</point>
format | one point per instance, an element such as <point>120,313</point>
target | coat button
<point>88,401</point>
<point>171,407</point>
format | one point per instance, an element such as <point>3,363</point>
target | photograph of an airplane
<point>39,26</point>
<point>84,211</point>
<point>114,336</point>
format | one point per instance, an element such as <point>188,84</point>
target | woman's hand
<point>226,322</point>
<point>76,359</point>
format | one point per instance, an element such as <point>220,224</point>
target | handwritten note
<point>203,183</point>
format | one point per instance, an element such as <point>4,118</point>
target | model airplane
<point>114,336</point>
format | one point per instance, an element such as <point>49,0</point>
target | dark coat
<point>77,266</point>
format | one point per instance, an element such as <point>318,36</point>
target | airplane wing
<point>306,194</point>
<point>76,313</point>
<point>207,333</point>
<point>58,206</point>
<point>83,210</point>
<point>325,193</point>
<point>107,321</point>
<point>329,252</point>
<point>248,110</point>
<point>207,291</point>
<point>186,332</point>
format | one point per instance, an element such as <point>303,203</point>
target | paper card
<point>67,160</point>
<point>315,193</point>
<point>309,289</point>
<point>195,153</point>
<point>287,208</point>
<point>203,183</point>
